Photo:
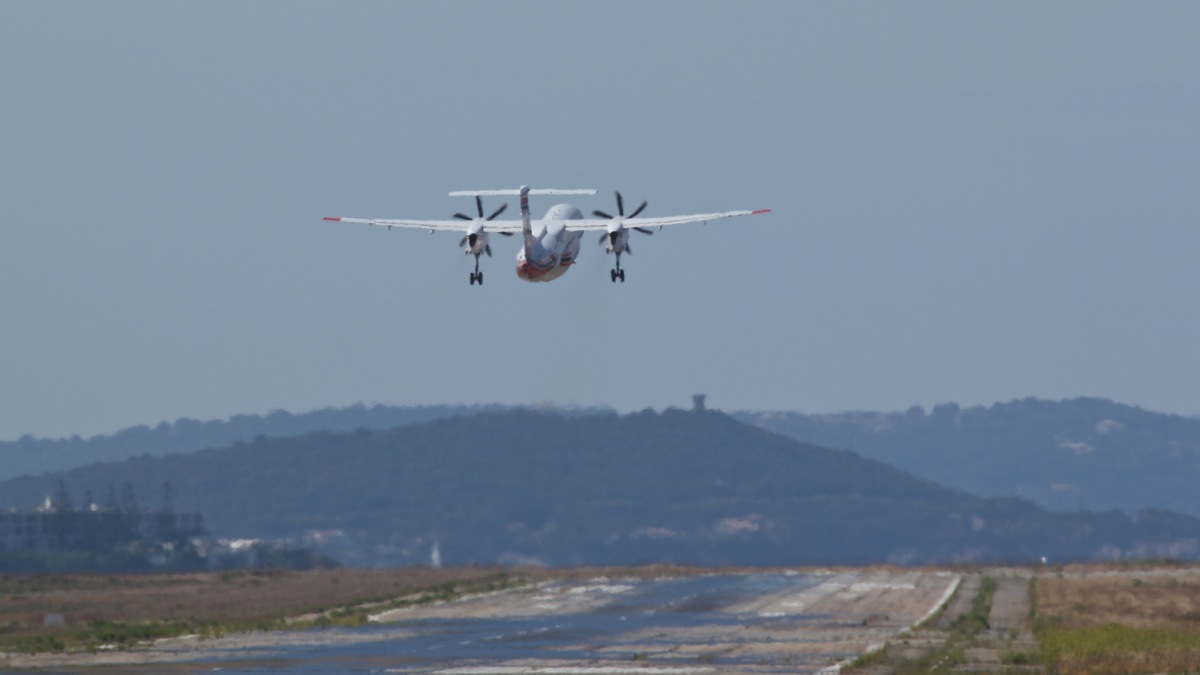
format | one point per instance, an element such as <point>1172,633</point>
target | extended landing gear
<point>617,272</point>
<point>476,276</point>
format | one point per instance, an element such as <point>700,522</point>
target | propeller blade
<point>498,211</point>
<point>479,205</point>
<point>462,217</point>
<point>627,249</point>
<point>463,241</point>
<point>506,234</point>
<point>603,236</point>
<point>639,210</point>
<point>488,250</point>
<point>601,214</point>
<point>644,230</point>
<point>620,205</point>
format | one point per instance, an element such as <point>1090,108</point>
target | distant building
<point>95,529</point>
<point>26,531</point>
<point>698,403</point>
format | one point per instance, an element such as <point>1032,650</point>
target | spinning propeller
<point>473,234</point>
<point>615,229</point>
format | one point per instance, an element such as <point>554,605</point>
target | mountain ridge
<point>29,456</point>
<point>1081,453</point>
<point>686,487</point>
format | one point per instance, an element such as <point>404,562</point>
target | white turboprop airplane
<point>551,244</point>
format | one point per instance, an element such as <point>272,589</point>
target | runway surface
<point>786,622</point>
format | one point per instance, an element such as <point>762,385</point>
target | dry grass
<point>1135,599</point>
<point>124,609</point>
<point>1120,620</point>
<point>208,602</point>
<point>244,595</point>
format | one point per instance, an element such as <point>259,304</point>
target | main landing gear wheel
<point>617,274</point>
<point>477,276</point>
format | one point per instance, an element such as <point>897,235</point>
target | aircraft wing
<point>434,225</point>
<point>602,223</point>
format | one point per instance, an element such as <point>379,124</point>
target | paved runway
<point>757,623</point>
<point>786,622</point>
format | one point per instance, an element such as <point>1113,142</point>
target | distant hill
<point>31,456</point>
<point>1082,453</point>
<point>605,489</point>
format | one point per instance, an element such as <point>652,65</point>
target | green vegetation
<point>123,634</point>
<point>1016,658</point>
<point>1118,623</point>
<point>1115,648</point>
<point>867,659</point>
<point>358,613</point>
<point>112,634</point>
<point>120,635</point>
<point>953,651</point>
<point>33,644</point>
<point>964,631</point>
<point>936,618</point>
<point>1033,598</point>
<point>976,621</point>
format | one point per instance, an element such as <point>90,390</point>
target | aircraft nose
<point>471,239</point>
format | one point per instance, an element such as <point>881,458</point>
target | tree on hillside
<point>129,502</point>
<point>165,526</point>
<point>62,523</point>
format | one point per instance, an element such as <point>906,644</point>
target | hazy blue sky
<point>973,202</point>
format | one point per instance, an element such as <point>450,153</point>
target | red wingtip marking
<point>336,220</point>
<point>755,213</point>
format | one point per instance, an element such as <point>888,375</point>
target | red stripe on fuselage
<point>530,272</point>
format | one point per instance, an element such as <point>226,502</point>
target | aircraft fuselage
<point>554,249</point>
